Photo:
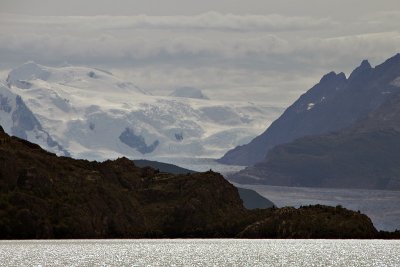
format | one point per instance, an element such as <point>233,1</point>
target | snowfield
<point>90,113</point>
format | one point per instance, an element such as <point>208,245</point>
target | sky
<point>253,50</point>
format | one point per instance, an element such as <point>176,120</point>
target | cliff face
<point>45,196</point>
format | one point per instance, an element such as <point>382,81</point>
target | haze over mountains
<point>90,113</point>
<point>350,130</point>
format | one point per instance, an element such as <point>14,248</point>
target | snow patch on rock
<point>310,106</point>
<point>396,82</point>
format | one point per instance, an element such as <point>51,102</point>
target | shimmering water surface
<point>196,252</point>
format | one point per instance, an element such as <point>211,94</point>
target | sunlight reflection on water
<point>200,252</point>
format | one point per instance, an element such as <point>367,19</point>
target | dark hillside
<point>45,196</point>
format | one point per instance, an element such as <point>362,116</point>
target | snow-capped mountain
<point>18,120</point>
<point>90,113</point>
<point>189,92</point>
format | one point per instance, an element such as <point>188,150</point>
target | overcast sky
<point>254,50</point>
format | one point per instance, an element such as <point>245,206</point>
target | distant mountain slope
<point>333,104</point>
<point>251,199</point>
<point>366,155</point>
<point>95,115</point>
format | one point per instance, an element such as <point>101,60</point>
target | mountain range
<point>335,103</point>
<point>92,114</point>
<point>350,139</point>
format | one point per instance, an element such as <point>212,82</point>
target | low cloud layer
<point>272,55</point>
<point>223,22</point>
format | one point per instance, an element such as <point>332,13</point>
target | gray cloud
<point>342,9</point>
<point>226,22</point>
<point>205,21</point>
<point>279,56</point>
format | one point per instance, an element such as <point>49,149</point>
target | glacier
<point>92,114</point>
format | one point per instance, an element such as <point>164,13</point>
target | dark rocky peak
<point>363,68</point>
<point>332,77</point>
<point>327,86</point>
<point>365,64</point>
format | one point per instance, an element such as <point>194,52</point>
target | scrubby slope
<point>45,196</point>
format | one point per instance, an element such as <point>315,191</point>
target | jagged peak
<point>332,76</point>
<point>341,76</point>
<point>364,66</point>
<point>328,76</point>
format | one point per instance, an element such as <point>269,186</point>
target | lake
<point>200,252</point>
<point>382,206</point>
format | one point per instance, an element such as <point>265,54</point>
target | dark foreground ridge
<point>251,199</point>
<point>45,196</point>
